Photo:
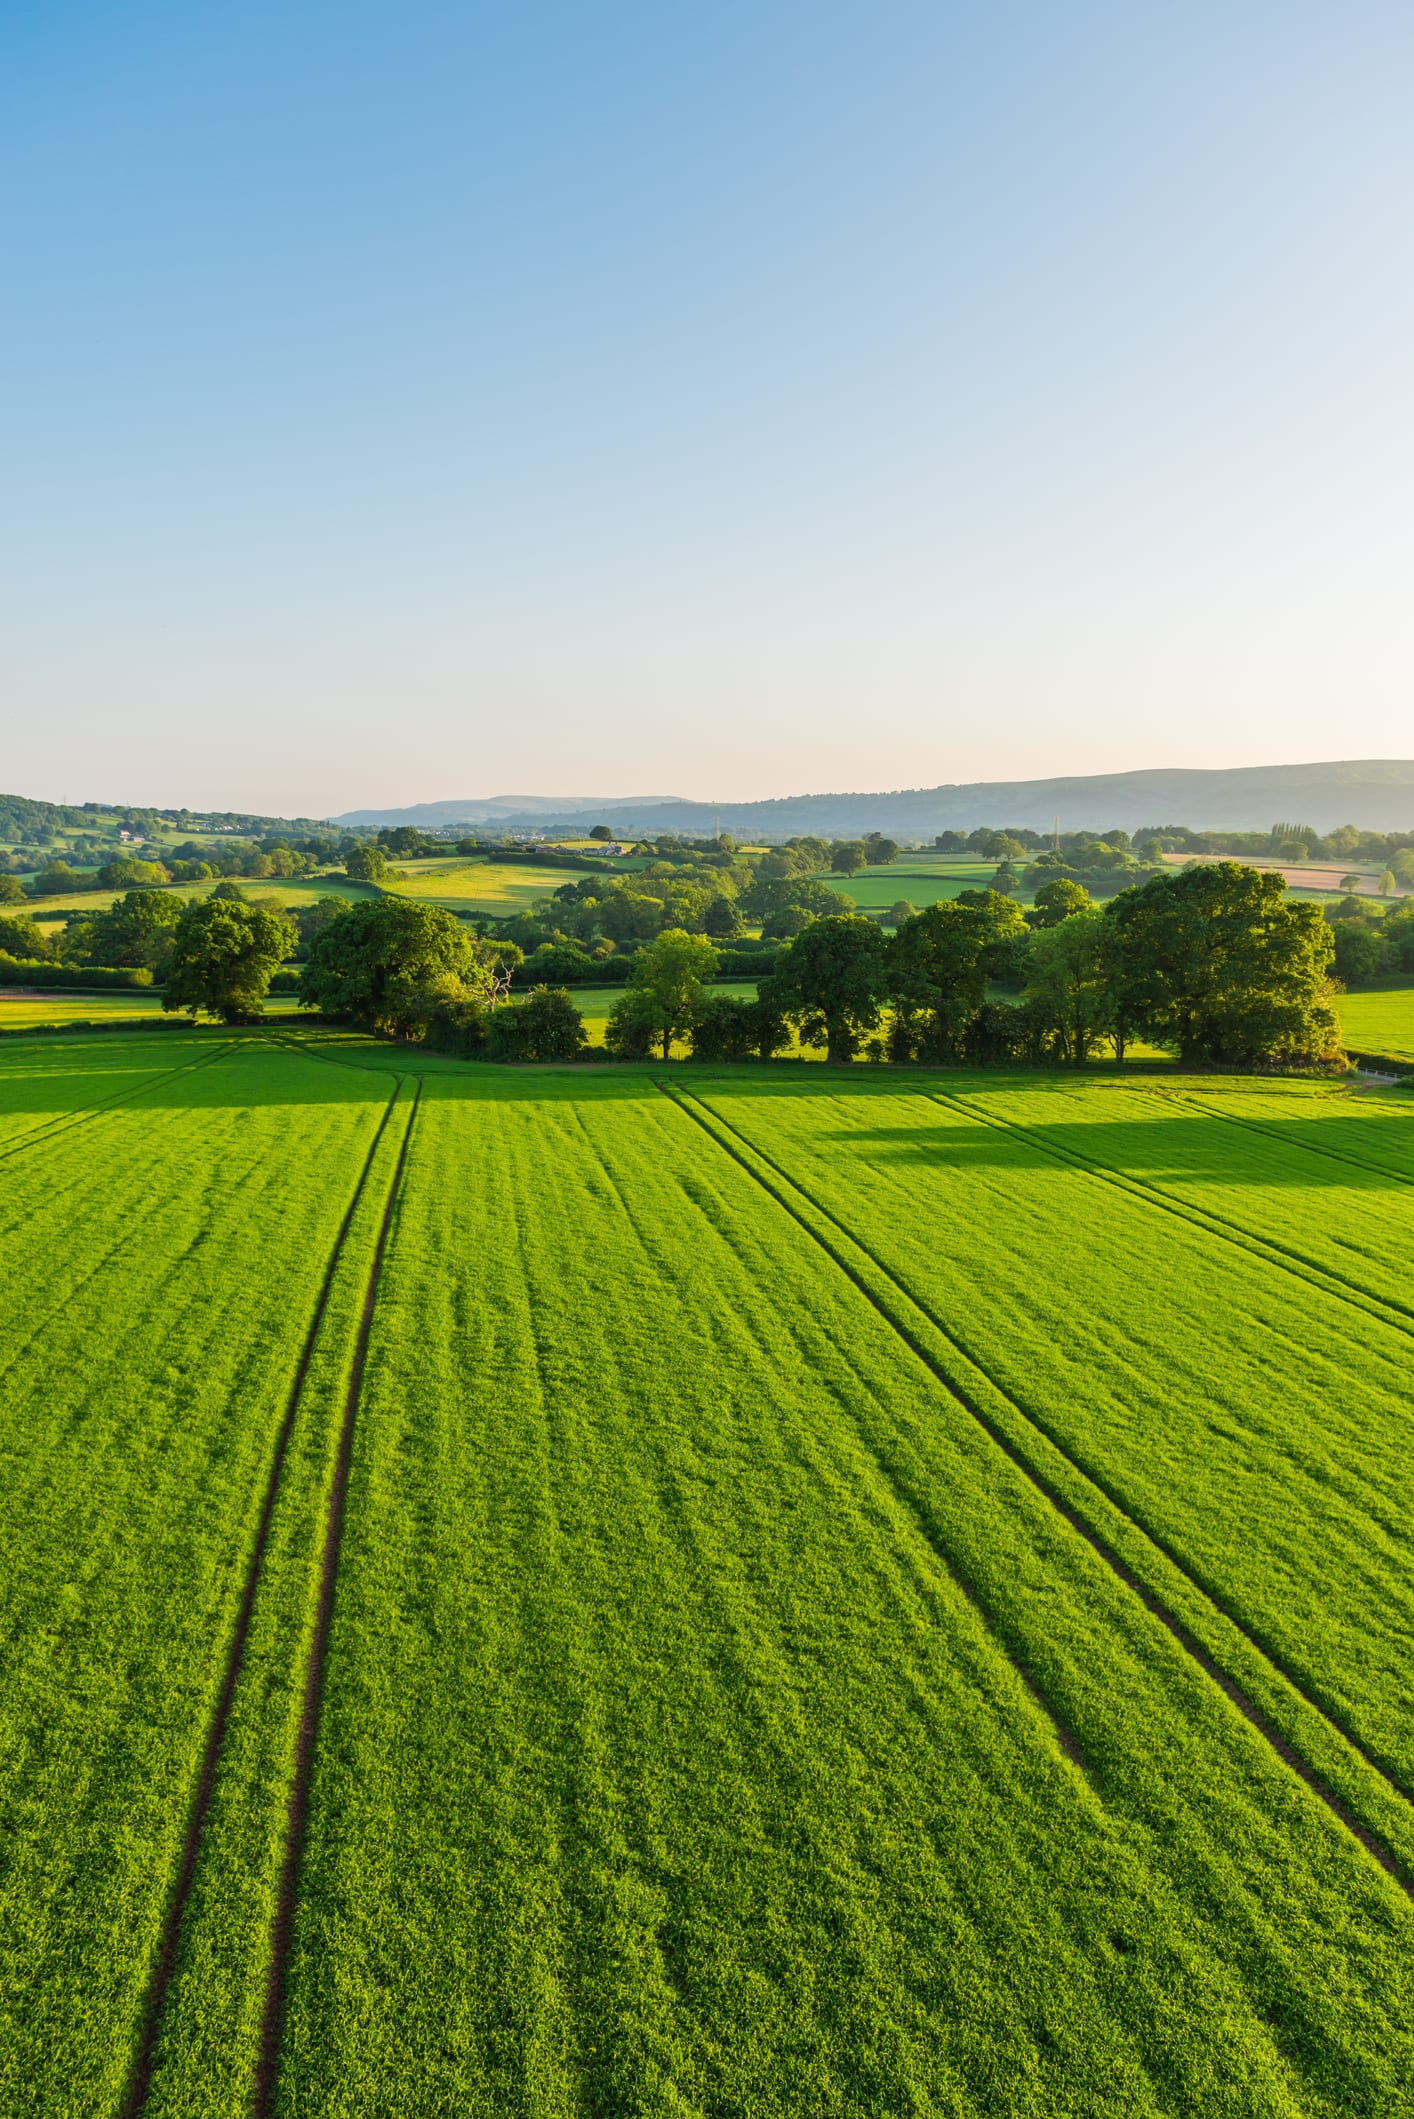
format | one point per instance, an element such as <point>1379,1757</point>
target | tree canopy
<point>223,957</point>
<point>665,989</point>
<point>386,961</point>
<point>1217,962</point>
<point>830,983</point>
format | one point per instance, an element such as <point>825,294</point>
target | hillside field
<point>652,1590</point>
<point>1380,1022</point>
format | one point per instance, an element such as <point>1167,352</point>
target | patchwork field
<point>653,1590</point>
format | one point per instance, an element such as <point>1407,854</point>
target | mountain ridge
<point>1377,794</point>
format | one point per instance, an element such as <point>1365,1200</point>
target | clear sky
<point>402,399</point>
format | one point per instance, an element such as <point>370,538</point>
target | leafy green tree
<point>544,1026</point>
<point>366,864</point>
<point>667,982</point>
<point>386,962</point>
<point>848,856</point>
<point>1059,900</point>
<point>631,1031</point>
<point>784,926</point>
<point>223,957</point>
<point>721,1028</point>
<point>770,895</point>
<point>312,920</point>
<point>722,921</point>
<point>138,929</point>
<point>1388,883</point>
<point>899,911</point>
<point>126,873</point>
<point>1070,981</point>
<point>56,879</point>
<point>601,832</point>
<point>941,961</point>
<point>628,915</point>
<point>830,981</point>
<point>12,890</point>
<point>1217,962</point>
<point>1361,952</point>
<point>879,851</point>
<point>22,937</point>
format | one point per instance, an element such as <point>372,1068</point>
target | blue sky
<point>405,401</point>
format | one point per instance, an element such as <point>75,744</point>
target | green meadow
<point>662,1590</point>
<point>1380,1022</point>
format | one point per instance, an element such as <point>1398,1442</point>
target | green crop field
<point>921,883</point>
<point>699,1592</point>
<point>479,886</point>
<point>20,1010</point>
<point>1380,1022</point>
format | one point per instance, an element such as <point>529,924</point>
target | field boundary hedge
<point>38,976</point>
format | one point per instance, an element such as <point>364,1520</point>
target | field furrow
<point>178,1248</point>
<point>683,1722</point>
<point>1257,1433</point>
<point>43,1095</point>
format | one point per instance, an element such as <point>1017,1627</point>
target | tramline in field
<point>695,1592</point>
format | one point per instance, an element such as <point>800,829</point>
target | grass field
<point>1380,1022</point>
<point>32,1011</point>
<point>920,882</point>
<point>659,1591</point>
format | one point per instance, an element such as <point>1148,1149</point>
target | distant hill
<point>496,809</point>
<point>1375,793</point>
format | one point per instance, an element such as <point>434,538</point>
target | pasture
<point>920,882</point>
<point>495,887</point>
<point>1380,1022</point>
<point>662,1590</point>
<point>20,1010</point>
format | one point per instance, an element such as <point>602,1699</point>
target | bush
<point>22,937</point>
<point>548,1026</point>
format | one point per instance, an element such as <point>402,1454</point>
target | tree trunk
<point>668,1043</point>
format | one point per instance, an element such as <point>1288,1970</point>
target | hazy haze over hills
<point>1374,793</point>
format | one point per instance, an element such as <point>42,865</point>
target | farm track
<point>164,1968</point>
<point>1400,1871</point>
<point>1254,1125</point>
<point>941,1556</point>
<point>267,2066</point>
<point>1396,1316</point>
<point>67,1121</point>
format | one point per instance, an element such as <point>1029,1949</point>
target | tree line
<point>1215,963</point>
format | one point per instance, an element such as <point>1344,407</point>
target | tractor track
<point>1305,1147</point>
<point>68,1121</point>
<point>140,2081</point>
<point>282,1940</point>
<point>1395,1315</point>
<point>1397,1870</point>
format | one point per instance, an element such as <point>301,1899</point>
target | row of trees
<point>1215,963</point>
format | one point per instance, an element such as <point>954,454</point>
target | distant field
<point>1318,880</point>
<point>876,889</point>
<point>23,1011</point>
<point>852,1593</point>
<point>1380,1022</point>
<point>479,886</point>
<point>301,890</point>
